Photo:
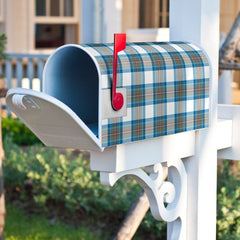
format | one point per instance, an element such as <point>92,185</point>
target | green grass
<point>21,227</point>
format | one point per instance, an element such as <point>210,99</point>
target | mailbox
<point>165,89</point>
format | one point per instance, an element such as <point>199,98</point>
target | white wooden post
<point>225,87</point>
<point>198,21</point>
<point>225,81</point>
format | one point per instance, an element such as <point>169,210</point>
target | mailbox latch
<point>24,102</point>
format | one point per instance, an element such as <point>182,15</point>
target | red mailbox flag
<point>119,45</point>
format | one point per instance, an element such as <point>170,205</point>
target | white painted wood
<point>56,20</point>
<point>231,112</point>
<point>159,192</point>
<point>87,22</point>
<point>198,21</point>
<point>224,134</point>
<point>148,35</point>
<point>225,94</point>
<point>53,122</point>
<point>111,19</point>
<point>225,87</point>
<point>97,16</point>
<point>144,153</point>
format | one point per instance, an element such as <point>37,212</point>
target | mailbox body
<point>165,88</point>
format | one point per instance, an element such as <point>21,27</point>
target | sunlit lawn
<point>21,227</point>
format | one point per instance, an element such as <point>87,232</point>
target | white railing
<point>22,70</point>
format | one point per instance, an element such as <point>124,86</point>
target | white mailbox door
<point>53,122</point>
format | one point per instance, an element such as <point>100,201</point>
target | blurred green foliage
<point>3,41</point>
<point>66,179</point>
<point>228,204</point>
<point>19,132</point>
<point>21,227</point>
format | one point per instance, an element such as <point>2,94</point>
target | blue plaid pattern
<point>167,89</point>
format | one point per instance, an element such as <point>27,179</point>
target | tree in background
<point>3,41</point>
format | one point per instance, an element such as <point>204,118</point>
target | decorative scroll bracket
<point>168,199</point>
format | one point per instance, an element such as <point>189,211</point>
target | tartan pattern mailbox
<point>165,88</point>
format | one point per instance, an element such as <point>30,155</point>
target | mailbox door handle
<point>119,45</point>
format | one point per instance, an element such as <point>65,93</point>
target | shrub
<point>56,177</point>
<point>63,178</point>
<point>3,42</point>
<point>228,205</point>
<point>19,132</point>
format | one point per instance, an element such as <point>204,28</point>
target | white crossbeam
<point>231,112</point>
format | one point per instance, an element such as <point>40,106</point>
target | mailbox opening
<point>71,76</point>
